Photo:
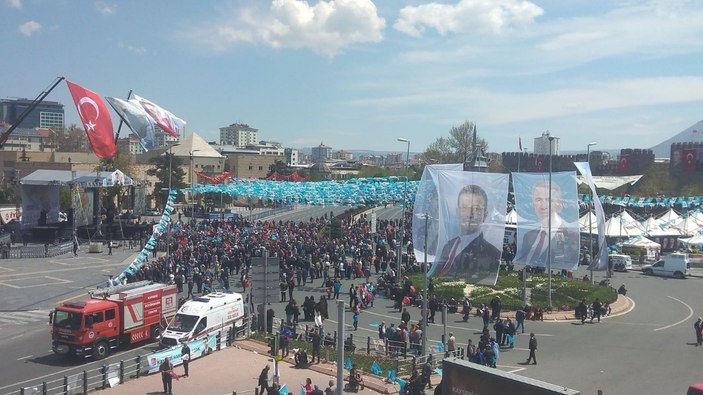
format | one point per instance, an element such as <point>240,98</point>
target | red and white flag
<point>96,120</point>
<point>168,122</point>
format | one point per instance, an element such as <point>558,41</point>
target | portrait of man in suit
<point>564,235</point>
<point>469,255</point>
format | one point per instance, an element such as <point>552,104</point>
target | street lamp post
<point>549,229</point>
<point>590,225</point>
<point>405,203</point>
<point>170,175</point>
<point>424,292</point>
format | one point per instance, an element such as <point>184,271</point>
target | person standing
<point>451,345</point>
<point>698,327</point>
<point>520,318</point>
<point>316,342</point>
<point>427,373</point>
<point>185,357</point>
<point>533,347</point>
<point>264,379</point>
<point>166,370</point>
<point>331,388</point>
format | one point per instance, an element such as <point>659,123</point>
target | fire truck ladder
<point>115,289</point>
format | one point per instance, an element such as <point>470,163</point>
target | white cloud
<point>105,8</point>
<point>467,16</point>
<point>326,27</point>
<point>30,28</point>
<point>131,48</point>
<point>14,3</point>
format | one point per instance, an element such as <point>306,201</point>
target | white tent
<point>687,226</point>
<point>669,217</point>
<point>650,224</point>
<point>584,222</point>
<point>696,240</point>
<point>631,223</point>
<point>614,227</point>
<point>511,217</point>
<point>652,249</point>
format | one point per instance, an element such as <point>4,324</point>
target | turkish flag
<point>540,165</point>
<point>624,164</point>
<point>689,160</point>
<point>96,120</point>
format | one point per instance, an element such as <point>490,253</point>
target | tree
<point>279,167</point>
<point>73,139</point>
<point>160,171</point>
<point>458,147</point>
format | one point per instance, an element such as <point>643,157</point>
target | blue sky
<point>358,74</point>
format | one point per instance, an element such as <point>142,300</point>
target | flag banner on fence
<point>96,120</point>
<point>170,123</point>
<point>600,261</point>
<point>471,225</point>
<point>137,120</point>
<point>545,239</point>
<point>426,203</point>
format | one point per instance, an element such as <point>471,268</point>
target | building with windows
<point>239,135</point>
<point>30,140</point>
<point>342,155</point>
<point>130,145</point>
<point>321,153</point>
<point>543,146</point>
<point>47,114</point>
<point>291,156</point>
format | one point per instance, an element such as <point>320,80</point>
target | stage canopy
<point>85,179</point>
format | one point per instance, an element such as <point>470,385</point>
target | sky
<point>359,74</point>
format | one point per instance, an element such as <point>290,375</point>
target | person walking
<point>520,319</point>
<point>185,357</point>
<point>264,379</point>
<point>451,345</point>
<point>698,327</point>
<point>533,347</point>
<point>331,388</point>
<point>427,373</point>
<point>596,310</point>
<point>166,370</point>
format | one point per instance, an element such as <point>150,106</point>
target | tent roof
<point>511,217</point>
<point>195,144</point>
<point>641,242</point>
<point>82,178</point>
<point>669,216</point>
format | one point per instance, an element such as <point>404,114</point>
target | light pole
<point>549,229</point>
<point>405,200</point>
<point>590,225</point>
<point>424,292</point>
<point>192,183</point>
<point>170,175</point>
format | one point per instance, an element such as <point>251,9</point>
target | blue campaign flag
<point>376,368</point>
<point>348,364</point>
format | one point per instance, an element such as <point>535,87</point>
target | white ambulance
<point>201,316</point>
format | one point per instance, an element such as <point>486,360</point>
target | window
<point>261,168</point>
<point>251,167</point>
<point>110,314</point>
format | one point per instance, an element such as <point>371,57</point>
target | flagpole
<point>119,127</point>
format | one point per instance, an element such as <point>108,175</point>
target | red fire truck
<point>112,317</point>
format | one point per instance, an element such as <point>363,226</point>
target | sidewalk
<point>236,369</point>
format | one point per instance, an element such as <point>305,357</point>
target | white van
<point>674,265</point>
<point>201,316</point>
<point>620,263</point>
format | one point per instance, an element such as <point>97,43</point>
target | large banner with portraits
<point>40,205</point>
<point>470,226</point>
<point>426,211</point>
<point>539,234</point>
<point>83,205</point>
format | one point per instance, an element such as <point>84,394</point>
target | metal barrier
<point>268,213</point>
<point>108,375</point>
<point>40,251</point>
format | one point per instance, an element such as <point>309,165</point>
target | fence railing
<point>40,251</point>
<point>108,375</point>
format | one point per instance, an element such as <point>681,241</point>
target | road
<point>650,350</point>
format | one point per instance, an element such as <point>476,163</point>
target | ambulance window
<point>110,314</point>
<point>201,325</point>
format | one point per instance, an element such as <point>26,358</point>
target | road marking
<point>27,357</point>
<point>690,314</point>
<point>516,370</point>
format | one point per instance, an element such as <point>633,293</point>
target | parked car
<point>620,263</point>
<point>152,212</point>
<point>674,265</point>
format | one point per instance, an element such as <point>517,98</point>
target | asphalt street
<point>649,350</point>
